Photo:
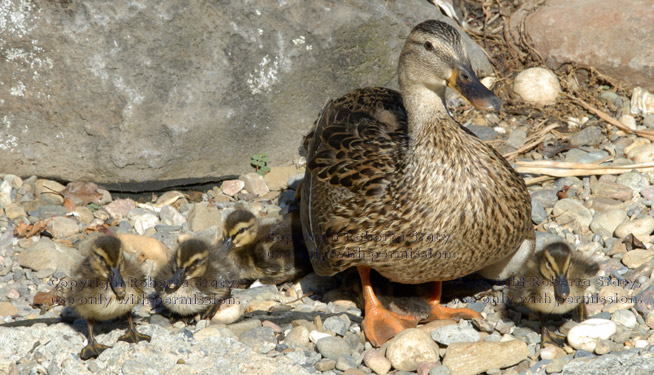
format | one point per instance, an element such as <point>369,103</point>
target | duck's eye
<point>241,231</point>
<point>547,264</point>
<point>465,77</point>
<point>196,263</point>
<point>429,46</point>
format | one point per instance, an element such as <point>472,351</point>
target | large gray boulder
<point>118,91</point>
<point>616,37</point>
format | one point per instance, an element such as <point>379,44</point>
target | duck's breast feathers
<point>358,141</point>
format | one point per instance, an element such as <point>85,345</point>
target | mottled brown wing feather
<point>360,140</point>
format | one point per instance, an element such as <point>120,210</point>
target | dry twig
<point>607,118</point>
<point>532,142</point>
<point>563,169</point>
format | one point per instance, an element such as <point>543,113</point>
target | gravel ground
<point>304,326</point>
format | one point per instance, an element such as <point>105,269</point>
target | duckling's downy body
<point>196,280</point>
<point>107,287</point>
<point>272,252</point>
<point>395,184</point>
<point>554,282</point>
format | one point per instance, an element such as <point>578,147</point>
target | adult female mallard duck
<point>272,251</point>
<point>395,184</point>
<point>101,293</point>
<point>554,282</point>
<point>197,280</point>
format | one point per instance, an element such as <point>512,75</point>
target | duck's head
<point>107,261</point>
<point>191,261</point>
<point>434,57</point>
<point>555,266</point>
<point>241,228</point>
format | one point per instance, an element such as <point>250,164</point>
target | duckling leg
<point>439,311</point>
<point>547,337</point>
<point>92,349</point>
<point>210,312</point>
<point>380,324</point>
<point>132,336</point>
<point>582,313</point>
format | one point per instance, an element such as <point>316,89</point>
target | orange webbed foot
<point>439,311</point>
<point>381,325</point>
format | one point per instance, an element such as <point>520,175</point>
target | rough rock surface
<point>141,91</point>
<point>628,362</point>
<point>176,352</point>
<point>616,37</point>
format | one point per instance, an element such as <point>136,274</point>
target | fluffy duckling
<point>196,280</point>
<point>101,292</point>
<point>554,282</point>
<point>273,252</point>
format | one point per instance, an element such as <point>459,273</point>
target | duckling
<point>271,252</point>
<point>554,282</point>
<point>393,183</point>
<point>101,292</point>
<point>196,280</point>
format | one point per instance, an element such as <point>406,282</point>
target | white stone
<point>586,334</point>
<point>548,353</point>
<point>145,222</point>
<point>537,86</point>
<point>624,317</point>
<point>409,348</point>
<point>232,187</point>
<point>255,183</point>
<point>229,313</point>
<point>640,344</point>
<point>641,228</point>
<point>628,121</point>
<point>314,336</point>
<point>642,154</point>
<point>5,194</point>
<point>170,216</point>
<point>642,101</point>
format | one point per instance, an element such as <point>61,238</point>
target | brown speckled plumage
<point>533,286</point>
<point>106,285</point>
<point>93,285</point>
<point>270,251</point>
<point>394,164</point>
<point>208,278</point>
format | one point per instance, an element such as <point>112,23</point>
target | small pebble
<point>332,347</point>
<point>377,362</point>
<point>345,362</point>
<point>585,335</point>
<point>439,370</point>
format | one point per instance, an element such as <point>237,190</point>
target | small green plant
<point>260,163</point>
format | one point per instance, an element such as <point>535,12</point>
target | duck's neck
<point>423,105</point>
<point>434,138</point>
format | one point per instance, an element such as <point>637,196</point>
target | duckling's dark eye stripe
<point>550,261</point>
<point>244,229</point>
<point>102,254</point>
<point>194,258</point>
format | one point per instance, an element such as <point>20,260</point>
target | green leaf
<point>93,207</point>
<point>265,169</point>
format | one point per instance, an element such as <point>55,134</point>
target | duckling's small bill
<point>554,281</point>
